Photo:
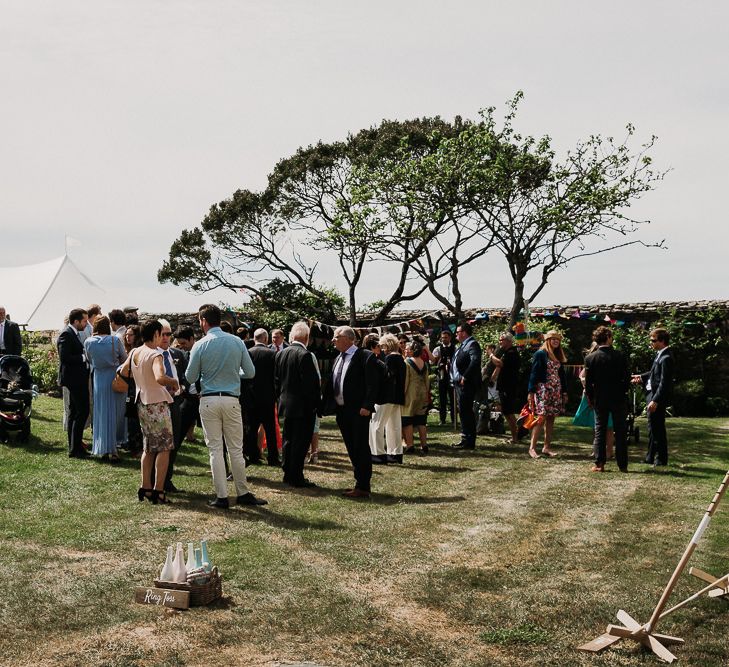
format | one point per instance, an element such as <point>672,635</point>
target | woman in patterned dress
<point>152,399</point>
<point>547,390</point>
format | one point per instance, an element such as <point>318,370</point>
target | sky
<point>123,122</point>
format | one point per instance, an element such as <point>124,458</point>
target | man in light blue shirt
<point>217,360</point>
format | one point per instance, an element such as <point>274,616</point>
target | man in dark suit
<point>190,409</point>
<point>352,393</point>
<point>10,340</point>
<point>466,378</point>
<point>297,387</point>
<point>658,383</point>
<point>175,365</point>
<point>278,342</point>
<point>607,380</point>
<point>73,373</point>
<point>260,402</point>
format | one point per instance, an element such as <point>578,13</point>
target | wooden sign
<point>164,597</point>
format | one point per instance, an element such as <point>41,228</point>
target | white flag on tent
<point>70,241</point>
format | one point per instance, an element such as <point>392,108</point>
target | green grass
<point>460,558</point>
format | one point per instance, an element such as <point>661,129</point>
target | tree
<point>431,233</point>
<point>242,245</point>
<point>542,214</point>
<point>279,304</point>
<point>336,193</point>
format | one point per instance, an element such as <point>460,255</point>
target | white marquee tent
<point>40,296</point>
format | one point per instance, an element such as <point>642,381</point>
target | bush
<point>42,356</point>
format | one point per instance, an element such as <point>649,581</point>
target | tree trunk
<point>352,306</point>
<point>518,303</point>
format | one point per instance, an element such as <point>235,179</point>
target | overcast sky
<point>124,121</point>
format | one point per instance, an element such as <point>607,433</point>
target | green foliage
<point>696,342</point>
<point>42,356</point>
<point>280,304</point>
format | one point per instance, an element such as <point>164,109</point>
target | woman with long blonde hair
<point>547,390</point>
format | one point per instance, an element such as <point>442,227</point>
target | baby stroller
<point>16,397</point>
<point>489,420</point>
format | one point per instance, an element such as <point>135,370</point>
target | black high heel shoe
<point>142,494</point>
<point>159,497</point>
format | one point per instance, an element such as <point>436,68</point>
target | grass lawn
<point>460,558</point>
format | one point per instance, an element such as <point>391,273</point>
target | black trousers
<point>355,431</point>
<point>297,434</point>
<point>619,411</point>
<point>657,440</point>
<point>445,400</point>
<point>178,435</point>
<point>468,418</point>
<point>78,413</point>
<point>189,414</point>
<point>258,413</point>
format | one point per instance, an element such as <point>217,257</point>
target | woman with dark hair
<point>547,390</point>
<point>417,398</point>
<point>130,432</point>
<point>104,353</point>
<point>132,337</point>
<point>153,399</point>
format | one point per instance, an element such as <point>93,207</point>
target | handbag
<point>527,419</point>
<point>120,384</point>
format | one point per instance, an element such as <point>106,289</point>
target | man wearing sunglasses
<point>658,384</point>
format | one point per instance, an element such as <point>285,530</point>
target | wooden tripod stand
<point>645,634</point>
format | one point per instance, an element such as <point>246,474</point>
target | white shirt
<point>344,358</point>
<point>2,335</point>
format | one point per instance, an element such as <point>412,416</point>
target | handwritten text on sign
<point>163,597</point>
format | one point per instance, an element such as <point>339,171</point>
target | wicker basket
<point>200,594</point>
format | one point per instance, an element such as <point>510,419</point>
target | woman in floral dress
<point>547,390</point>
<point>153,396</point>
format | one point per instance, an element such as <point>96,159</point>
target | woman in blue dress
<point>105,353</point>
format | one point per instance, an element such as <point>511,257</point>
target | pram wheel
<point>24,434</point>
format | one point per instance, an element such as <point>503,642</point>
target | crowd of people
<point>146,387</point>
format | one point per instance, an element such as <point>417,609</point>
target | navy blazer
<point>661,378</point>
<point>467,362</point>
<point>539,372</point>
<point>73,371</point>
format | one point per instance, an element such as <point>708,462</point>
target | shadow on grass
<point>199,503</point>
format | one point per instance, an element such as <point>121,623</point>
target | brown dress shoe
<point>356,493</point>
<point>597,468</point>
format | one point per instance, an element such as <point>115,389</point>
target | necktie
<point>168,365</point>
<point>338,375</point>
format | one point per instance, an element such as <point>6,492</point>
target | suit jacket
<point>262,384</point>
<point>467,364</point>
<point>284,345</point>
<point>179,358</point>
<point>396,376</point>
<point>11,340</point>
<point>661,378</point>
<point>296,382</point>
<point>607,377</point>
<point>73,371</point>
<point>359,384</point>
